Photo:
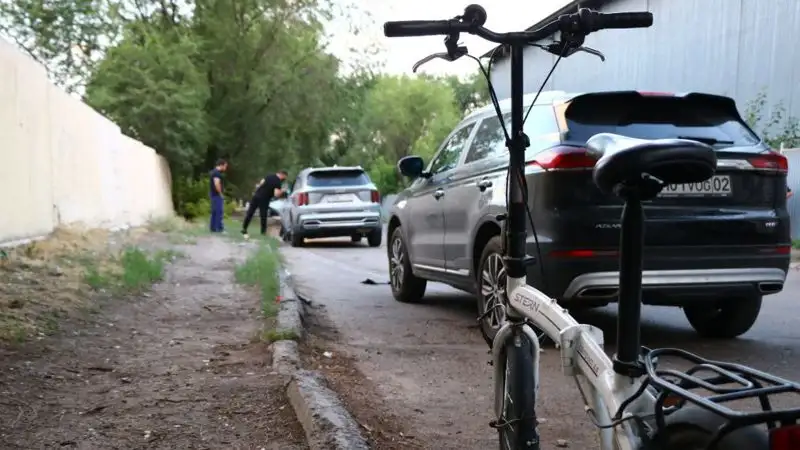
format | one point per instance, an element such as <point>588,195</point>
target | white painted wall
<point>62,163</point>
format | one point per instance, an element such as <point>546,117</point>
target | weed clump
<point>261,270</point>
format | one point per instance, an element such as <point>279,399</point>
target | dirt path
<point>178,368</point>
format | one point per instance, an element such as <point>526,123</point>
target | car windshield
<point>335,178</point>
<point>701,118</point>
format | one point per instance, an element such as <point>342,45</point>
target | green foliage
<point>140,270</point>
<point>274,335</point>
<point>386,176</point>
<point>137,271</point>
<point>190,197</point>
<point>191,201</point>
<point>246,80</point>
<point>408,116</point>
<point>261,270</point>
<point>66,36</point>
<point>470,93</point>
<point>150,86</point>
<point>773,124</point>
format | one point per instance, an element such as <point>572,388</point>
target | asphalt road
<point>431,362</point>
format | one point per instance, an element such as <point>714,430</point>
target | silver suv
<point>333,202</point>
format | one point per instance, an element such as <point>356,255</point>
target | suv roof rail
<point>334,167</point>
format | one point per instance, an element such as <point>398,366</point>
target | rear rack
<point>743,383</point>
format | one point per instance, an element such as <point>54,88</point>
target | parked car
<point>276,207</point>
<point>713,248</point>
<point>333,202</point>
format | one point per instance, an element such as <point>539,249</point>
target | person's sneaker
<point>245,235</point>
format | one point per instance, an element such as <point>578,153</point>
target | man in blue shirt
<point>217,198</point>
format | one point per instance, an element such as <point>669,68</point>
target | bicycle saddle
<point>624,160</point>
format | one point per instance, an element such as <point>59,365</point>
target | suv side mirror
<point>411,166</point>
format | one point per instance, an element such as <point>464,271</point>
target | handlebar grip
<point>624,20</point>
<point>405,28</point>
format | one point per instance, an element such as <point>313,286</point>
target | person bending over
<point>266,189</point>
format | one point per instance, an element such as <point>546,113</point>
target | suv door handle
<point>439,193</point>
<point>484,184</point>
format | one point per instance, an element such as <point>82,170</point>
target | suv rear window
<point>706,118</point>
<point>334,178</point>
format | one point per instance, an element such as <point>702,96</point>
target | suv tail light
<point>375,196</point>
<point>785,438</point>
<point>301,199</point>
<point>772,162</point>
<point>564,158</point>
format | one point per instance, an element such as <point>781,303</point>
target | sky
<point>399,54</point>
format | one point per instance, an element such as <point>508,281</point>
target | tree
<point>270,82</point>
<point>403,116</point>
<point>67,37</point>
<point>408,116</point>
<point>347,135</point>
<point>248,80</point>
<point>471,92</point>
<point>150,86</point>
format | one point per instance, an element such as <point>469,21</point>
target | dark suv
<point>713,248</point>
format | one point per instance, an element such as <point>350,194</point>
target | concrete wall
<point>62,163</point>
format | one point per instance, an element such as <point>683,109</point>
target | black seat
<point>623,160</point>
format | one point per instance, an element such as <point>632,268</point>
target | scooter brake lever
<point>443,55</point>
<point>592,51</point>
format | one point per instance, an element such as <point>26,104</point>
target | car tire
<point>375,237</point>
<point>297,239</point>
<point>406,287</point>
<point>728,319</point>
<point>490,281</point>
<point>355,239</point>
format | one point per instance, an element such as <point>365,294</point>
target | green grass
<point>261,270</point>
<point>279,335</point>
<point>137,270</point>
<point>796,243</point>
<point>182,232</point>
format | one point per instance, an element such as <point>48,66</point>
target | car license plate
<point>338,198</point>
<point>717,186</point>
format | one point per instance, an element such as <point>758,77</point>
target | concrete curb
<point>285,354</point>
<point>327,423</point>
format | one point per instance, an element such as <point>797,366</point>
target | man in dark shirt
<point>215,185</point>
<point>266,189</point>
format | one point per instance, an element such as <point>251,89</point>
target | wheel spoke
<point>493,269</point>
<point>493,322</point>
<point>396,268</point>
<point>493,290</point>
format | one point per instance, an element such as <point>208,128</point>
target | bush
<point>135,270</point>
<point>261,270</point>
<point>386,177</point>
<point>190,197</point>
<point>776,128</point>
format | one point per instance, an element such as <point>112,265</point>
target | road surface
<point>430,364</point>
